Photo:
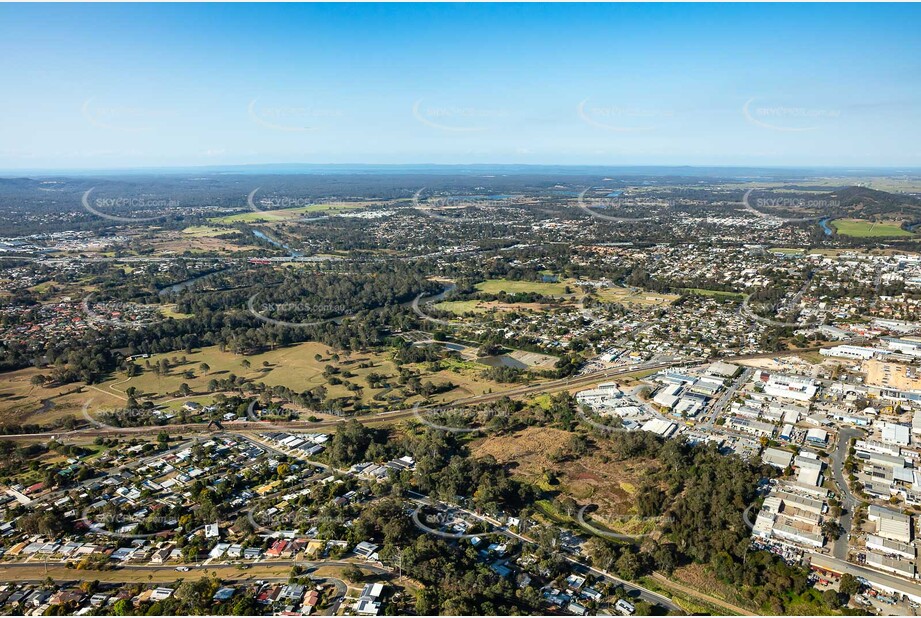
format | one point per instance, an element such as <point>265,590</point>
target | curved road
<point>580,517</point>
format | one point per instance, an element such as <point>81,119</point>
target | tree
<point>353,573</point>
<point>849,585</point>
<point>204,367</point>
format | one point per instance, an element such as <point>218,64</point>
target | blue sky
<point>105,86</point>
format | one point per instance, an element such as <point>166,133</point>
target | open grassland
<point>21,402</point>
<point>714,293</point>
<point>201,239</point>
<point>495,286</point>
<point>861,228</point>
<point>169,311</point>
<point>633,296</point>
<point>286,214</point>
<point>588,479</point>
<point>205,230</point>
<point>295,367</point>
<point>462,307</point>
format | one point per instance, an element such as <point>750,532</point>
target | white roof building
<point>660,427</point>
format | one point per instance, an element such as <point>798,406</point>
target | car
<point>183,569</point>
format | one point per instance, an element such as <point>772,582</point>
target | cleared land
<point>861,228</point>
<point>21,402</point>
<point>588,479</point>
<point>205,230</point>
<point>461,307</point>
<point>285,214</point>
<point>714,293</point>
<point>892,375</point>
<point>495,286</point>
<point>633,296</point>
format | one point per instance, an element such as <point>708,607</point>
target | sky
<point>107,86</point>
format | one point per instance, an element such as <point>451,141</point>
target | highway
<point>551,386</point>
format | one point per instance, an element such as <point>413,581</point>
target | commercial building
<point>891,524</point>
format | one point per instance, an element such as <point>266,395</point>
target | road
<point>242,426</point>
<point>849,501</point>
<point>551,386</point>
<point>632,589</point>
<point>726,398</point>
<point>580,517</point>
<point>904,586</point>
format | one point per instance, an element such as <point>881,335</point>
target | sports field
<point>494,286</point>
<point>633,296</point>
<point>861,228</point>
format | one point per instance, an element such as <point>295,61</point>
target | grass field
<point>169,311</point>
<point>461,307</point>
<point>292,213</point>
<point>632,296</point>
<point>861,228</point>
<point>205,231</point>
<point>295,367</point>
<point>714,293</point>
<point>21,402</point>
<point>494,286</point>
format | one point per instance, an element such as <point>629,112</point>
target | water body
<point>177,287</point>
<point>829,231</point>
<point>278,244</point>
<point>437,298</point>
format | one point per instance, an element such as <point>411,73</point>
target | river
<point>278,244</point>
